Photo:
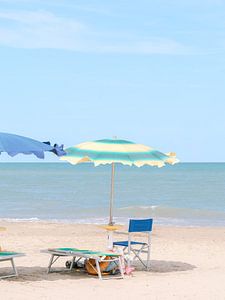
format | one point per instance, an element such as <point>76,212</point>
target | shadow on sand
<point>37,273</point>
<point>164,266</point>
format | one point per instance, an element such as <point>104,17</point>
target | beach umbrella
<point>112,151</point>
<point>14,144</point>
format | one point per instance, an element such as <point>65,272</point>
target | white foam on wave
<point>143,207</point>
<point>163,221</point>
<point>34,219</point>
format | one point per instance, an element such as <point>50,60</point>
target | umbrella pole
<point>110,229</point>
<point>111,195</point>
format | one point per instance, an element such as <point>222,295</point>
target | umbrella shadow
<point>37,273</point>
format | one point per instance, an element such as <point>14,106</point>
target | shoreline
<point>104,221</point>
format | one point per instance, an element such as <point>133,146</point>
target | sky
<point>152,72</point>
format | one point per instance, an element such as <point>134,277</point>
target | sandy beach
<point>186,263</point>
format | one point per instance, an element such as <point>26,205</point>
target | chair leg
<point>141,260</point>
<point>137,254</point>
<point>148,258</point>
<point>129,259</point>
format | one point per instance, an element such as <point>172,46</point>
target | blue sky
<point>147,71</point>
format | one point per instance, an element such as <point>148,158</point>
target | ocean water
<point>190,194</point>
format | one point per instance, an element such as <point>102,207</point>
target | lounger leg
<point>50,264</point>
<point>14,273</point>
<point>98,269</point>
<point>121,267</point>
<point>14,267</point>
<point>72,262</point>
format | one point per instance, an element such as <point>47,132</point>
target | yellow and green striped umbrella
<point>111,151</point>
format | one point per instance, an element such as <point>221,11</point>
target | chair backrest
<point>140,225</point>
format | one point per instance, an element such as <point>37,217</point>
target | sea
<point>186,194</point>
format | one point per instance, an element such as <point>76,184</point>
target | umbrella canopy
<point>14,144</point>
<point>111,151</point>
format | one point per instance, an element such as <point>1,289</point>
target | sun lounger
<point>9,256</point>
<point>77,254</point>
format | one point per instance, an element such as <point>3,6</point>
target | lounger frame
<point>56,254</point>
<point>11,259</point>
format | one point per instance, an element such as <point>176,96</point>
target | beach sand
<point>186,263</point>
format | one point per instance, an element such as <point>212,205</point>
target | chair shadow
<point>163,266</point>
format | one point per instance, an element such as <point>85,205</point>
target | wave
<point>158,211</point>
<point>162,215</point>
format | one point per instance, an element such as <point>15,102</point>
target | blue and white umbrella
<point>112,151</point>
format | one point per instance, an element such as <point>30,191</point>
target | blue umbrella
<point>14,144</point>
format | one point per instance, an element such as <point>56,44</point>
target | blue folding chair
<point>135,247</point>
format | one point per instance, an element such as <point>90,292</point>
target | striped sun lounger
<point>9,256</point>
<point>77,254</point>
